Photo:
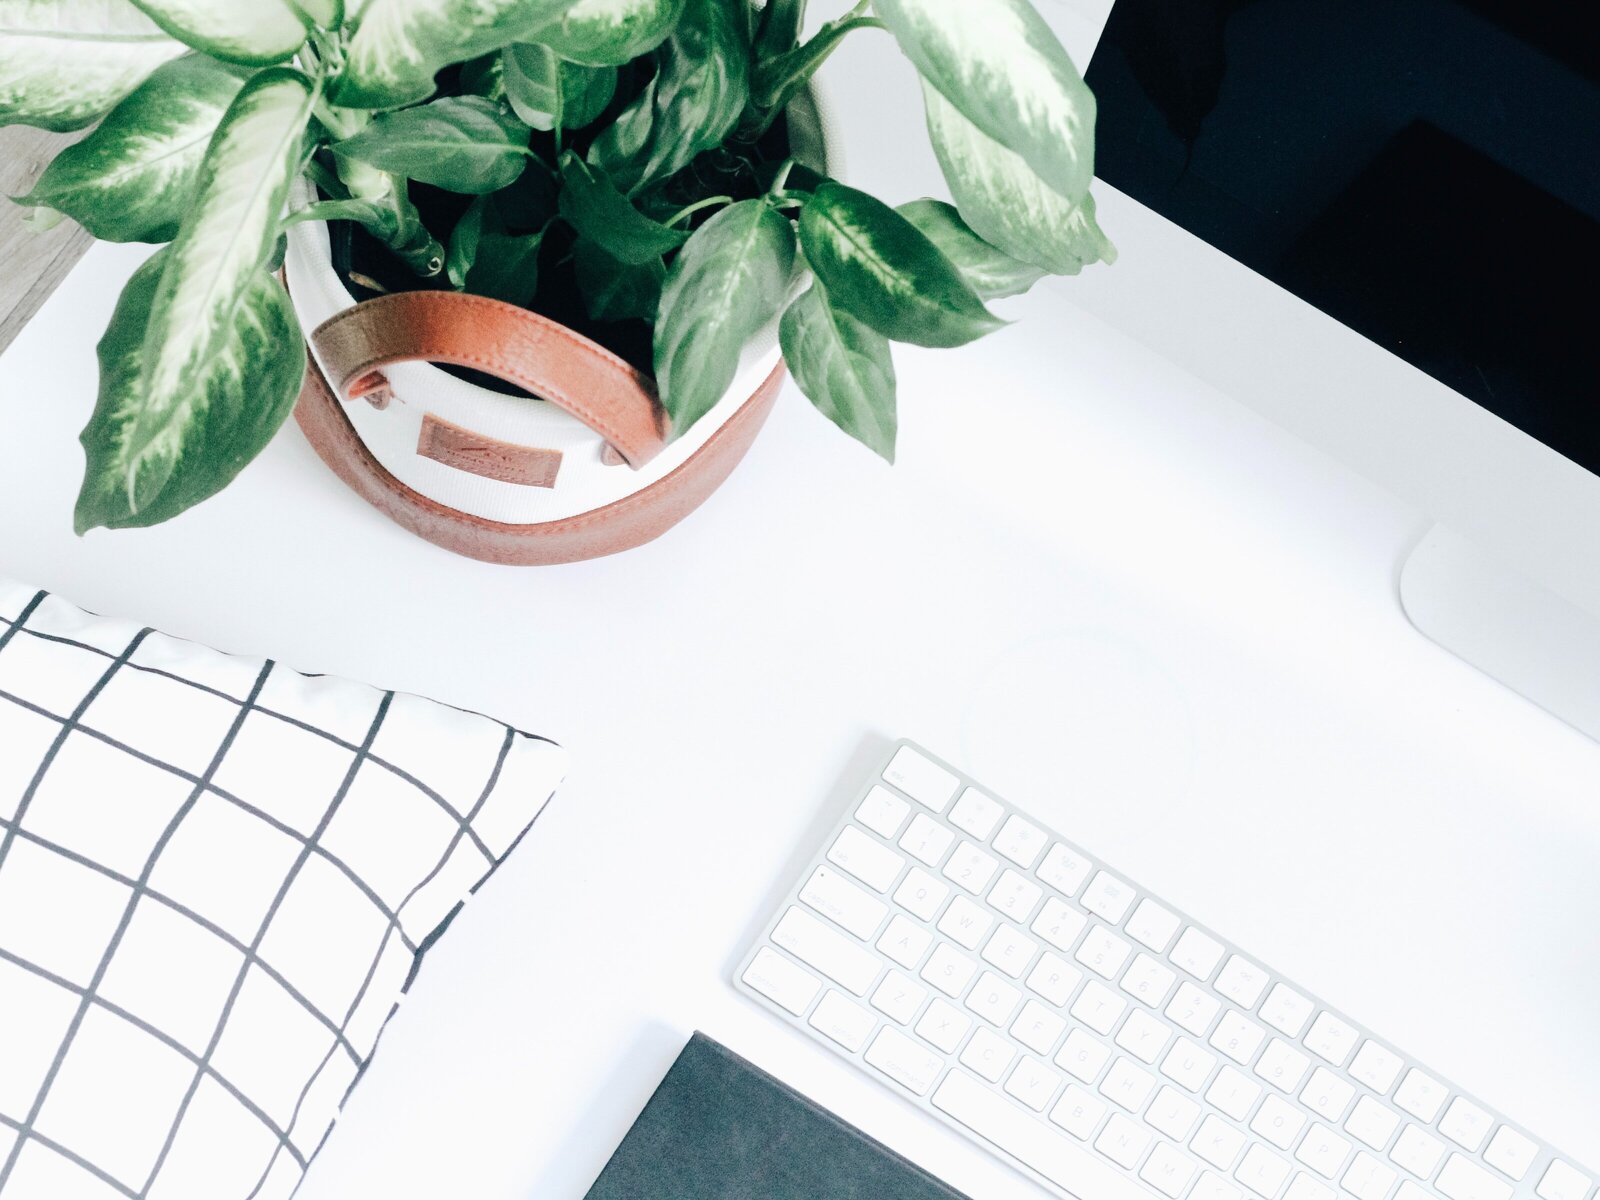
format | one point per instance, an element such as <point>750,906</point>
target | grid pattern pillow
<point>217,879</point>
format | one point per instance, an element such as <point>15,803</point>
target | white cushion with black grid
<point>217,879</point>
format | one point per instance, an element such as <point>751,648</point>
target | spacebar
<point>1025,1139</point>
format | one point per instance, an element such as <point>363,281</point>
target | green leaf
<point>992,273</point>
<point>256,33</point>
<point>506,267</point>
<point>65,63</point>
<point>778,30</point>
<point>699,94</point>
<point>237,400</point>
<point>617,291</point>
<point>728,281</point>
<point>461,143</point>
<point>398,45</point>
<point>378,219</point>
<point>610,33</point>
<point>843,367</point>
<point>1005,203</point>
<point>484,76</point>
<point>591,204</point>
<point>775,81</point>
<point>532,77</point>
<point>210,286</point>
<point>130,180</point>
<point>585,92</point>
<point>1001,66</point>
<point>882,270</point>
<point>464,241</point>
<point>323,14</point>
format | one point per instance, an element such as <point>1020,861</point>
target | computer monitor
<point>1378,223</point>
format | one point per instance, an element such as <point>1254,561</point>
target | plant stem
<point>696,207</point>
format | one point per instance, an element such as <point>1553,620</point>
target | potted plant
<point>604,217</point>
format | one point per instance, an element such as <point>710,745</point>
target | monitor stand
<point>1509,627</point>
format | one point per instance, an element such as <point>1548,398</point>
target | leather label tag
<point>464,450</point>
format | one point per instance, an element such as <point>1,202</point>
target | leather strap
<point>521,347</point>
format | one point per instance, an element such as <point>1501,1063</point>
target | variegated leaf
<point>843,367</point>
<point>130,180</point>
<point>242,395</point>
<point>255,33</point>
<point>65,63</point>
<point>992,273</point>
<point>399,44</point>
<point>608,33</point>
<point>1005,70</point>
<point>1006,203</point>
<point>212,268</point>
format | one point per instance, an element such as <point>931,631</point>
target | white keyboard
<point>1011,985</point>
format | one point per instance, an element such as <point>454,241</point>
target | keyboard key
<point>988,1054</point>
<point>1122,1141</point>
<point>1126,1085</point>
<point>1463,1179</point>
<point>1286,1010</point>
<point>1033,1083</point>
<point>976,813</point>
<point>1282,1065</point>
<point>873,863</point>
<point>1015,896</point>
<point>849,907</point>
<point>905,942</point>
<point>1417,1152</point>
<point>898,997</point>
<point>971,868</point>
<point>1143,1036</point>
<point>924,781</point>
<point>1368,1179</point>
<point>1327,1095</point>
<point>1330,1039</point>
<point>1465,1124</point>
<point>1055,979</point>
<point>1148,981</point>
<point>1098,1007</point>
<point>1511,1152</point>
<point>882,811</point>
<point>1189,1065</point>
<point>1010,950</point>
<point>943,1025</point>
<point>1278,1122</point>
<point>1059,924</point>
<point>1197,953</point>
<point>1242,982</point>
<point>965,923</point>
<point>1376,1066</point>
<point>1152,926</point>
<point>1303,1187</point>
<point>1210,1187</point>
<point>1103,952</point>
<point>903,1061</point>
<point>1323,1150</point>
<point>842,1021</point>
<point>1021,841</point>
<point>1082,1056</point>
<point>993,999</point>
<point>1168,1171</point>
<point>1193,1009</point>
<point>1172,1113</point>
<point>1078,1112</point>
<point>1232,1093</point>
<point>926,840</point>
<point>1421,1095</point>
<point>1372,1123</point>
<point>1064,869</point>
<point>1108,896</point>
<point>1037,1028</point>
<point>848,964</point>
<point>1238,1037</point>
<point>1263,1172</point>
<point>1218,1143</point>
<point>1563,1181</point>
<point>920,894</point>
<point>948,970</point>
<point>781,981</point>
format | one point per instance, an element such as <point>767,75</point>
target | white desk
<point>1111,592</point>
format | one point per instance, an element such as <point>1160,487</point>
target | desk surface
<point>1111,592</point>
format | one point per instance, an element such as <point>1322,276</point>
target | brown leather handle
<point>549,360</point>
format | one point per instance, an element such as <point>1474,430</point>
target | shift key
<point>836,956</point>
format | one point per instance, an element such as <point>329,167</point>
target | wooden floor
<point>31,264</point>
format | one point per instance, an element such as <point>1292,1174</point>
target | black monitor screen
<point>1425,171</point>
